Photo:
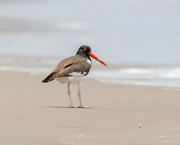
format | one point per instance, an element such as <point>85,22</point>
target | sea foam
<point>150,76</point>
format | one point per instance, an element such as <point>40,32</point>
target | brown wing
<point>69,65</point>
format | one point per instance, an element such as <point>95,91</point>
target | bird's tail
<point>49,78</point>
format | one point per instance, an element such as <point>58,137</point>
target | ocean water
<point>148,76</point>
<point>167,76</point>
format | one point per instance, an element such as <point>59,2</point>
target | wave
<point>151,76</point>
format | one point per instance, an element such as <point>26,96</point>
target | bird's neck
<point>85,55</point>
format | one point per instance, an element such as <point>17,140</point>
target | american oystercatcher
<point>73,69</point>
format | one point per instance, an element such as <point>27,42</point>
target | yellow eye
<point>85,49</point>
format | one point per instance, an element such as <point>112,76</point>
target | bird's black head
<point>84,51</point>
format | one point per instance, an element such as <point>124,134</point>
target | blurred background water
<point>125,32</point>
<point>119,31</point>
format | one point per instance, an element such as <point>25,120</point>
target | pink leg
<point>79,94</point>
<point>69,94</point>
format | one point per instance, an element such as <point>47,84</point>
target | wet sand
<point>32,113</point>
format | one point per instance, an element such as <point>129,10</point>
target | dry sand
<point>32,113</point>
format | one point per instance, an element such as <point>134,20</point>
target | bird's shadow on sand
<point>64,107</point>
<point>55,107</point>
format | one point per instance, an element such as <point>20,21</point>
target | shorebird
<point>73,69</point>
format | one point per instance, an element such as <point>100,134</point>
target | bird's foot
<point>87,107</point>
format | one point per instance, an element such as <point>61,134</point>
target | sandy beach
<point>32,113</point>
<point>135,100</point>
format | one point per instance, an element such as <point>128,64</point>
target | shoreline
<point>163,76</point>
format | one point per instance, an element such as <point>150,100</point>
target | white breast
<point>78,74</point>
<point>72,79</point>
<point>88,61</point>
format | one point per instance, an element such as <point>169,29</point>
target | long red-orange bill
<point>96,58</point>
